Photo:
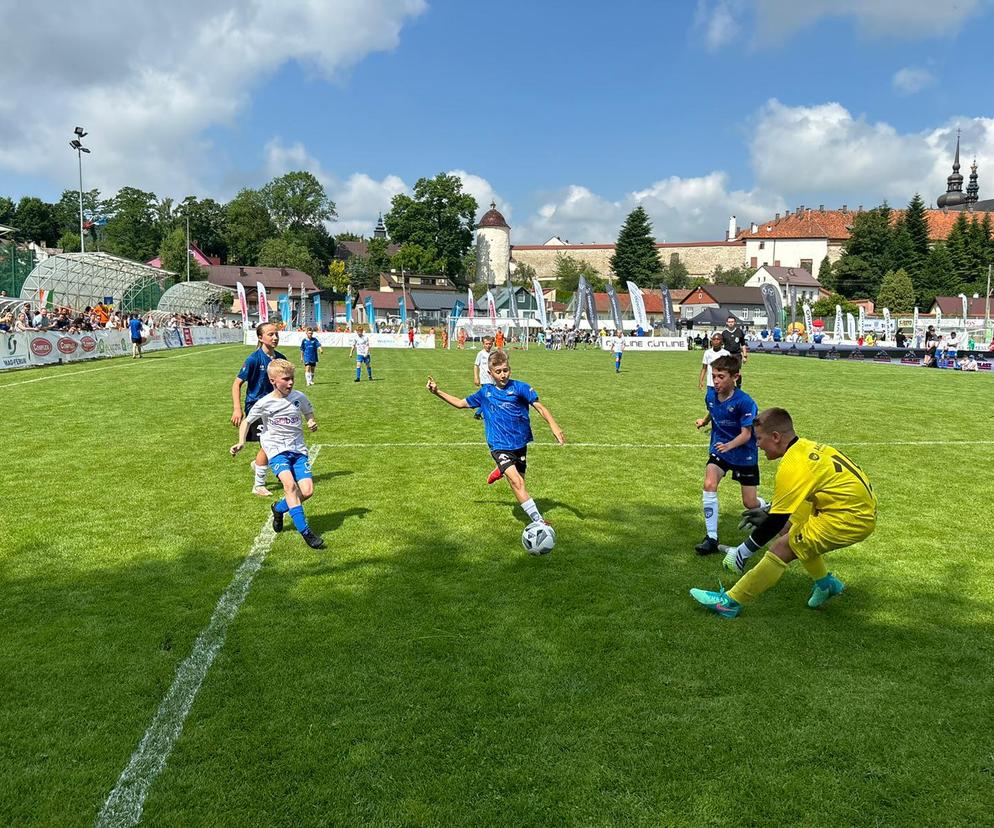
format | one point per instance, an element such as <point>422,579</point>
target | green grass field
<point>424,670</point>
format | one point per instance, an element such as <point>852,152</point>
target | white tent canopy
<point>200,298</point>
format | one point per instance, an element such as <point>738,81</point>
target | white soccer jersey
<point>483,363</point>
<point>710,355</point>
<point>619,344</point>
<point>361,345</point>
<point>282,422</point>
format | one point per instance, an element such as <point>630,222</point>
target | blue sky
<point>567,114</point>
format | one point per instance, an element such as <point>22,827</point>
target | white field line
<point>698,445</point>
<point>131,362</point>
<point>125,803</point>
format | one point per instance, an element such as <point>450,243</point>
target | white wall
<point>761,278</point>
<point>788,252</point>
<point>493,255</point>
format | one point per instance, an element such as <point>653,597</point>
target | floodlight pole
<point>79,156</point>
<point>987,304</point>
<point>188,247</point>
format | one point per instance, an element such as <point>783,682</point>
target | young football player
<point>619,350</point>
<point>716,350</point>
<point>282,436</point>
<point>821,501</point>
<point>310,347</point>
<point>505,404</point>
<point>733,446</point>
<point>360,347</point>
<point>254,376</point>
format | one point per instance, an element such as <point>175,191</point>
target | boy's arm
<point>455,402</point>
<point>704,373</point>
<point>247,420</point>
<point>307,409</point>
<point>704,421</point>
<point>476,375</point>
<point>557,432</point>
<point>236,401</point>
<point>741,440</point>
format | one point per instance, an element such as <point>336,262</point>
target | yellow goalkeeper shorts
<point>812,534</point>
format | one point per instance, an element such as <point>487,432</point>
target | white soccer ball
<point>538,538</point>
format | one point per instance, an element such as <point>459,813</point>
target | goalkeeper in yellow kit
<point>821,501</point>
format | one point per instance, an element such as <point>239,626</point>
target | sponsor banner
<point>892,356</point>
<point>344,339</point>
<point>647,343</point>
<point>22,350</point>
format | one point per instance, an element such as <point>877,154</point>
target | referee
<point>733,339</point>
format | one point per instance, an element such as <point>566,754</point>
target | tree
<point>246,227</point>
<point>7,211</point>
<point>283,252</point>
<point>958,243</point>
<point>297,200</point>
<point>569,271</point>
<point>67,211</point>
<point>523,275</point>
<point>207,225</point>
<point>173,253</point>
<point>826,305</point>
<point>467,271</point>
<point>347,236</point>
<point>413,258</point>
<point>854,278</point>
<point>916,224</point>
<point>68,242</point>
<point>733,276</point>
<point>635,256</point>
<point>938,277</point>
<point>867,254</point>
<point>377,259</point>
<point>132,231</point>
<point>317,240</point>
<point>897,292</point>
<point>826,275</point>
<point>676,276</point>
<point>336,279</point>
<point>357,272</point>
<point>439,218</point>
<point>35,221</point>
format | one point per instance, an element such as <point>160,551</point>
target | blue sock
<point>358,373</point>
<point>369,371</point>
<point>281,506</point>
<point>297,514</point>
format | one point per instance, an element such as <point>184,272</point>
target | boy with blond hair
<point>281,414</point>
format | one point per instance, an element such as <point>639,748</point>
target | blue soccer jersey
<point>309,351</point>
<point>254,375</point>
<point>505,413</point>
<point>728,418</point>
<point>135,326</point>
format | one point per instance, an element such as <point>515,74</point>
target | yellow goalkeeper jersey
<point>826,478</point>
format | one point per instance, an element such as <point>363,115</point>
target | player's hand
<point>700,423</point>
<point>432,386</point>
<point>560,437</point>
<point>721,448</point>
<point>754,518</point>
<point>236,417</point>
<point>237,447</point>
<point>312,425</point>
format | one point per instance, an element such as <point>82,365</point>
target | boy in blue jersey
<point>253,374</point>
<point>135,327</point>
<point>505,405</point>
<point>733,446</point>
<point>309,350</point>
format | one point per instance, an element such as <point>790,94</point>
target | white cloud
<point>484,193</point>
<point>149,80</point>
<point>719,21</point>
<point>910,80</point>
<point>360,199</point>
<point>826,150</point>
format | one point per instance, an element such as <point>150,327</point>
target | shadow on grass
<point>415,677</point>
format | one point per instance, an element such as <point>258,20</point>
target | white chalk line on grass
<point>130,362</point>
<point>126,801</point>
<point>702,444</point>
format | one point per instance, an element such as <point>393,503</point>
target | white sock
<point>260,475</point>
<point>710,500</point>
<point>531,509</point>
<point>763,504</point>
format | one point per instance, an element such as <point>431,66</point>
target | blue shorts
<point>362,358</point>
<point>292,461</point>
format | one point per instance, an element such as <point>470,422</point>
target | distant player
<point>499,339</point>
<point>481,371</point>
<point>733,446</point>
<point>734,339</point>
<point>310,347</point>
<point>505,403</point>
<point>821,501</point>
<point>282,436</point>
<point>360,347</point>
<point>716,350</point>
<point>618,346</point>
<point>253,374</point>
<point>135,328</point>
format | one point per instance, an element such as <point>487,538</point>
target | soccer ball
<point>538,538</point>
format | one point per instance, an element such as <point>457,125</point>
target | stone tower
<point>493,248</point>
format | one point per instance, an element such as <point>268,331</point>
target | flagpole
<point>188,247</point>
<point>987,306</point>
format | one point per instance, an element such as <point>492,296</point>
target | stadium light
<point>76,144</point>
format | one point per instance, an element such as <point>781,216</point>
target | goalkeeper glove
<point>754,518</point>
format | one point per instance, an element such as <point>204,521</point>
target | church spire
<point>953,196</point>
<point>973,188</point>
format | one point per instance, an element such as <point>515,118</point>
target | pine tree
<point>958,244</point>
<point>897,292</point>
<point>825,274</point>
<point>635,258</point>
<point>917,226</point>
<point>938,277</point>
